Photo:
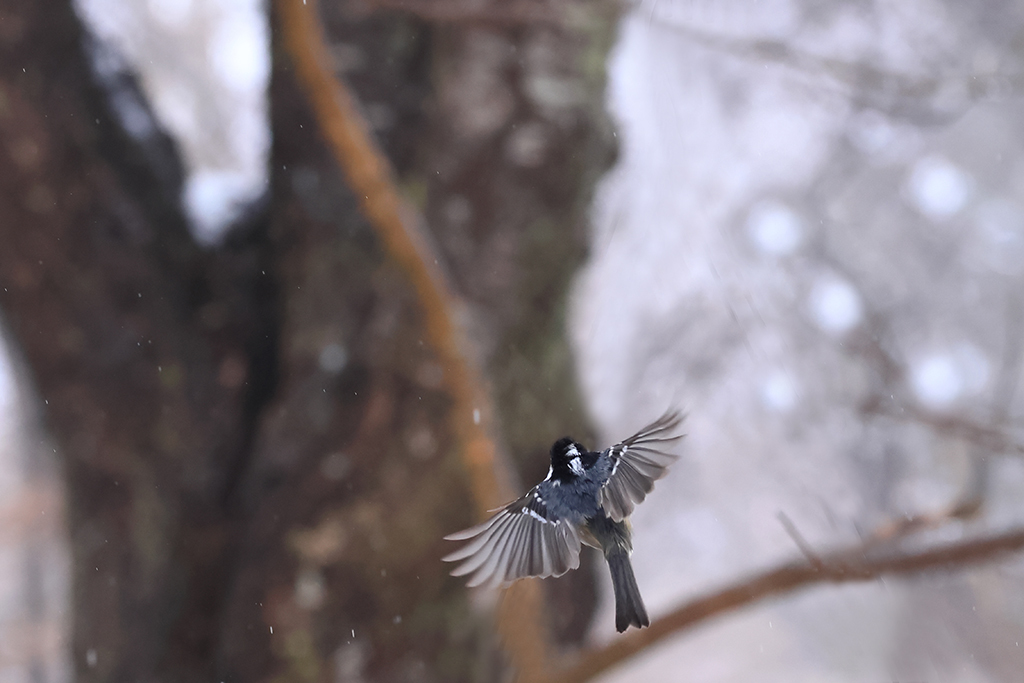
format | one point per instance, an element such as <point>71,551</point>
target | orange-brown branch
<point>373,182</point>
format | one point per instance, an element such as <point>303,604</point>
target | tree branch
<point>956,426</point>
<point>844,566</point>
<point>898,93</point>
<point>401,231</point>
<point>506,12</point>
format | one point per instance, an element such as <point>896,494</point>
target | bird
<point>587,497</point>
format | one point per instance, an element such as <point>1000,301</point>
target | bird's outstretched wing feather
<point>637,462</point>
<point>523,539</point>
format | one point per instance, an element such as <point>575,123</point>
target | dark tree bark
<point>255,438</point>
<point>142,351</point>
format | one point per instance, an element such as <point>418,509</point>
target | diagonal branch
<point>372,180</point>
<point>843,566</point>
<point>800,541</point>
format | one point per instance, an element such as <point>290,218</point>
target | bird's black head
<point>567,459</point>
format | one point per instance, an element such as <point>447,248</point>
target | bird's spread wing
<point>636,463</point>
<point>524,539</point>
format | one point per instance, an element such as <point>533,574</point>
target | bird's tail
<point>629,606</point>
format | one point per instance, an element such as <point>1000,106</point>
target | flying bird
<point>587,497</point>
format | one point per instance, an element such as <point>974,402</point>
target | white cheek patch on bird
<point>592,501</point>
<point>576,465</point>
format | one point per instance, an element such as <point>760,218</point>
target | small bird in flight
<point>587,497</point>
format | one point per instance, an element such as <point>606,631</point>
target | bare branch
<point>402,233</point>
<point>849,565</point>
<point>957,426</point>
<point>515,12</point>
<point>900,94</point>
<point>401,230</point>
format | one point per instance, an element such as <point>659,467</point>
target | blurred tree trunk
<point>152,357</point>
<point>255,438</point>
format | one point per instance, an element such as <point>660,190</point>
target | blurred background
<point>228,450</point>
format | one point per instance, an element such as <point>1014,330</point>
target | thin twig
<point>898,93</point>
<point>991,438</point>
<point>798,538</point>
<point>372,181</point>
<point>895,530</point>
<point>844,566</point>
<point>514,13</point>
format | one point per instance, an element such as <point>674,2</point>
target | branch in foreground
<point>372,181</point>
<point>844,566</point>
